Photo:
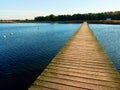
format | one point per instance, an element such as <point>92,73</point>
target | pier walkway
<point>82,64</point>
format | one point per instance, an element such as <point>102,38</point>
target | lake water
<point>109,37</point>
<point>26,49</point>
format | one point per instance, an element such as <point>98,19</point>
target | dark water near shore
<point>26,49</point>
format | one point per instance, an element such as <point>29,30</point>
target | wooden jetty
<point>82,64</point>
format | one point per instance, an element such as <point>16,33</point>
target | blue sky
<point>22,9</point>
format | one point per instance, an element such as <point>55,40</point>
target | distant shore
<point>97,21</point>
<point>73,21</point>
<point>16,21</point>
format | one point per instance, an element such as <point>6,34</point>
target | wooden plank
<point>82,64</point>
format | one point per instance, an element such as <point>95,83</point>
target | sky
<point>28,9</point>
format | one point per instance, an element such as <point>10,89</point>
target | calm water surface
<point>26,49</point>
<point>109,36</point>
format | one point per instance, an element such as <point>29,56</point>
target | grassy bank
<point>16,21</point>
<point>95,21</point>
<point>73,21</point>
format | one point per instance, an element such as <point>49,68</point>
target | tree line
<point>90,16</point>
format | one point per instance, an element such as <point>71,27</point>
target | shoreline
<point>73,21</point>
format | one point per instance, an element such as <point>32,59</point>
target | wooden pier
<point>82,64</point>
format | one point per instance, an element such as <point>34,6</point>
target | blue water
<point>25,53</point>
<point>109,37</point>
